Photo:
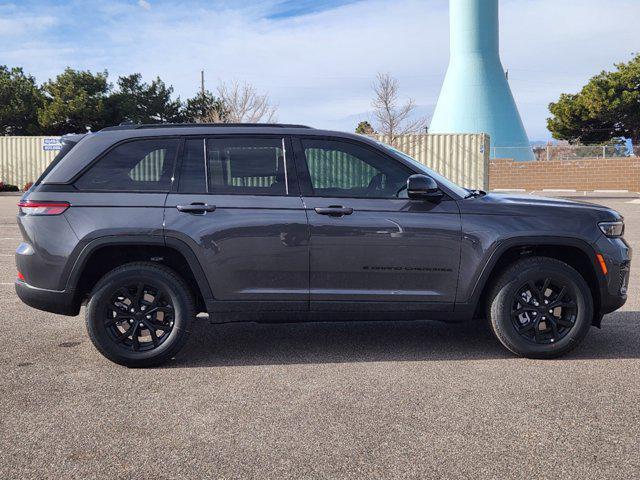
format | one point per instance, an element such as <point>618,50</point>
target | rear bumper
<point>54,301</point>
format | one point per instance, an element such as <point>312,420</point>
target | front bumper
<point>613,287</point>
<point>54,301</point>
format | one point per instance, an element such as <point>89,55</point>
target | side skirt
<point>293,312</point>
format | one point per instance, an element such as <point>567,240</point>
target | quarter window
<point>140,165</point>
<point>344,169</point>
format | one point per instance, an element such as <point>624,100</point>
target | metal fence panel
<point>150,167</point>
<point>23,159</point>
<point>463,158</point>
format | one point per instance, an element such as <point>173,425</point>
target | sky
<point>317,59</point>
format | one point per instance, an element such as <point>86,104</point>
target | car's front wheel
<point>540,308</point>
<point>139,314</point>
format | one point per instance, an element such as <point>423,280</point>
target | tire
<point>527,329</point>
<point>163,310</point>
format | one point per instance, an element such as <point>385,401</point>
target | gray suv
<point>148,225</point>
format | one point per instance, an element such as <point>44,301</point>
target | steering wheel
<point>402,188</point>
<point>375,183</point>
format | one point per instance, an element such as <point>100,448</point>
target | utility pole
<point>202,83</point>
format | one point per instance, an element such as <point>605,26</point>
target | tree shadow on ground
<point>342,342</point>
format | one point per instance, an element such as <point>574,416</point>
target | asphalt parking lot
<point>336,400</point>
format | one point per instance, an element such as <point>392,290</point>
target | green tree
<point>365,128</point>
<point>139,102</point>
<point>205,107</point>
<point>607,107</point>
<point>20,99</point>
<point>158,104</point>
<point>74,101</point>
<point>125,103</point>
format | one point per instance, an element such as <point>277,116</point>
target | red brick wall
<point>584,174</point>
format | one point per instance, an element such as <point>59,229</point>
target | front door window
<point>343,169</point>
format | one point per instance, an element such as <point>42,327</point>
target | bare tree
<point>392,119</point>
<point>243,104</point>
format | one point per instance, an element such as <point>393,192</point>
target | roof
<point>91,145</point>
<point>138,126</point>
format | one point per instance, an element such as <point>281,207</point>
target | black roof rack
<point>137,126</point>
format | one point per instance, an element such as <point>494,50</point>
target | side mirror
<point>421,187</point>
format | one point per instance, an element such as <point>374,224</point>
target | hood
<point>498,203</point>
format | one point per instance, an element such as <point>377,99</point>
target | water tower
<point>476,97</point>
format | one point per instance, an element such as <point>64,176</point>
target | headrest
<point>252,162</point>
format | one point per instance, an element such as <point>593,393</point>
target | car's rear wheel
<point>139,314</point>
<point>540,308</point>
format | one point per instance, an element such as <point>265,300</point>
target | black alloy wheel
<point>139,317</point>
<point>543,311</point>
<point>139,314</point>
<point>540,307</point>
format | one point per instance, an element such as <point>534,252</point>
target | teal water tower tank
<point>476,97</point>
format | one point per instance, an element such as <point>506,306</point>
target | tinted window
<point>343,169</point>
<point>249,166</point>
<point>67,145</point>
<point>138,165</point>
<point>192,173</point>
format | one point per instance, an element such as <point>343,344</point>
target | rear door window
<point>235,166</point>
<point>139,165</point>
<point>193,174</point>
<point>248,166</point>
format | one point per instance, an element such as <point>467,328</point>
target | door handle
<point>196,208</point>
<point>334,211</point>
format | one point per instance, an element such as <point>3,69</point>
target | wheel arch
<point>575,252</point>
<point>105,253</point>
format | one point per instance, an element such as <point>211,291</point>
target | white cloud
<point>144,4</point>
<point>18,25</point>
<point>319,67</point>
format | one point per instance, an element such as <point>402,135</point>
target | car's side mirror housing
<point>422,187</point>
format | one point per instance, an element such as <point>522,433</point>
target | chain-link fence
<point>570,152</point>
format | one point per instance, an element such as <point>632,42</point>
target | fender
<point>85,253</point>
<point>484,272</point>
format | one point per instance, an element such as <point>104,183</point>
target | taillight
<point>20,276</point>
<point>35,207</point>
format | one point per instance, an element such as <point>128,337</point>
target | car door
<point>237,205</point>
<point>371,249</point>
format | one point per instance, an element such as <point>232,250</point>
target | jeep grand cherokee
<point>148,225</point>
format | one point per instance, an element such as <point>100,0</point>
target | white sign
<point>52,143</point>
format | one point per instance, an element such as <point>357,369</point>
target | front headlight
<point>612,229</point>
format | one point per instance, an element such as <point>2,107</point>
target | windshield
<point>440,180</point>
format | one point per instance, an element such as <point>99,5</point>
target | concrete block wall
<point>588,174</point>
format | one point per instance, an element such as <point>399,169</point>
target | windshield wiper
<point>476,193</point>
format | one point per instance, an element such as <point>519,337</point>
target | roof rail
<point>138,126</point>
